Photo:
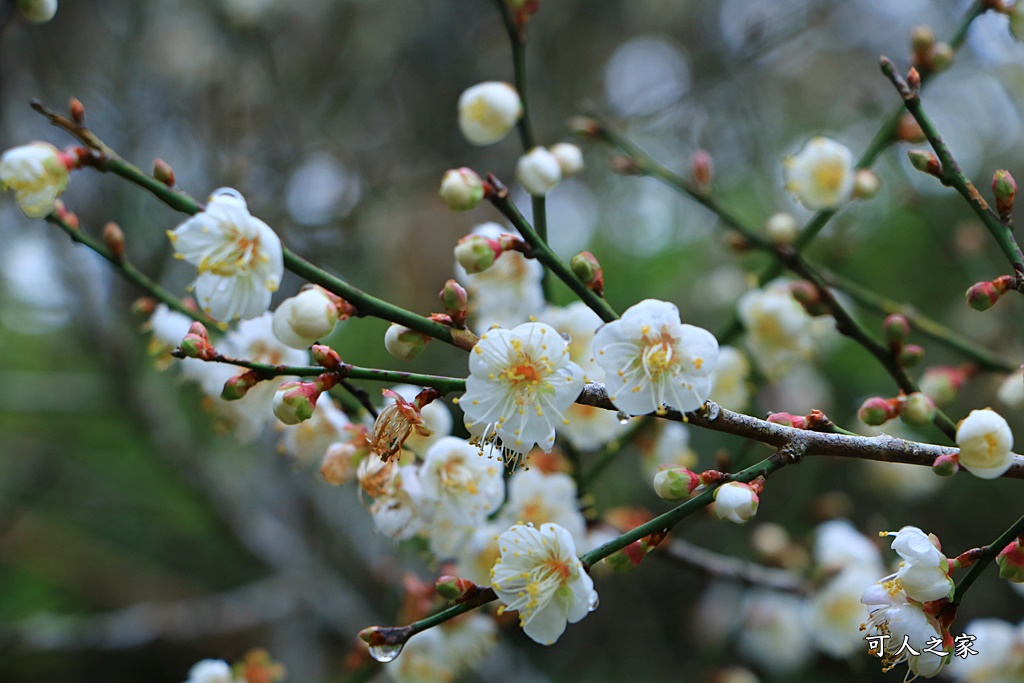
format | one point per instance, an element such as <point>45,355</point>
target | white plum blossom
<point>238,257</point>
<point>653,360</point>
<point>306,317</point>
<point>37,173</point>
<point>730,386</point>
<point>780,333</point>
<point>538,171</point>
<point>167,328</point>
<point>836,611</point>
<point>210,671</point>
<point>398,497</point>
<point>1000,658</point>
<point>736,502</point>
<point>475,557</point>
<point>773,631</point>
<point>488,111</point>
<point>462,488</point>
<point>539,498</point>
<point>986,444</point>
<point>895,616</point>
<point>838,545</point>
<point>821,175</point>
<point>924,572</point>
<point>520,384</point>
<point>539,576</point>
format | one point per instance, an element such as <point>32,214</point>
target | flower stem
<point>545,255</point>
<point>988,553</point>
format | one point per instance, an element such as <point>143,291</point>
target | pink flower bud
<point>587,268</point>
<point>941,384</point>
<point>113,237</point>
<point>77,110</point>
<point>703,168</point>
<point>238,386</point>
<point>1004,188</point>
<point>476,253</point>
<point>896,330</point>
<point>295,402</point>
<point>456,302</point>
<point>788,420</point>
<point>982,296</point>
<point>914,79</point>
<point>196,343</point>
<point>876,411</point>
<point>326,357</point>
<point>675,483</point>
<point>455,589</point>
<point>946,465</point>
<point>910,355</point>
<point>1011,562</point>
<point>630,557</point>
<point>163,172</point>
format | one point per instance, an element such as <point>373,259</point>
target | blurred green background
<point>135,539</point>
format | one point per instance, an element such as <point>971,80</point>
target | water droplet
<point>385,653</point>
<point>594,601</point>
<point>622,417</point>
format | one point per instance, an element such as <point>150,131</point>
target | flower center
<point>991,443</point>
<point>659,354</point>
<point>829,176</point>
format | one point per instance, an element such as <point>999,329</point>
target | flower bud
<point>403,343</point>
<point>940,57</point>
<point>946,465</point>
<point>896,329</point>
<point>77,110</point>
<point>910,355</point>
<point>807,294</point>
<point>238,386</point>
<point>630,557</point>
<point>986,444</point>
<point>982,296</point>
<point>113,237</point>
<point>586,267</point>
<point>38,174</point>
<point>918,410</point>
<point>925,161</point>
<point>461,189</point>
<point>781,229</point>
<point>1011,390</point>
<point>455,589</point>
<point>703,168</point>
<point>909,130</point>
<point>876,411</point>
<point>1004,188</point>
<point>456,302</point>
<point>789,420</point>
<point>476,253</point>
<point>865,184</point>
<point>941,384</point>
<point>623,165</point>
<point>914,79</point>
<point>488,111</point>
<point>326,357</point>
<point>1011,562</point>
<point>584,126</point>
<point>302,319</point>
<point>38,11</point>
<point>570,158</point>
<point>144,305</point>
<point>163,172</point>
<point>736,502</point>
<point>921,39</point>
<point>538,171</point>
<point>675,483</point>
<point>196,343</point>
<point>294,402</point>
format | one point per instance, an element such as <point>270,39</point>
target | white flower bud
<point>985,442</point>
<point>38,11</point>
<point>538,171</point>
<point>304,318</point>
<point>403,343</point>
<point>570,158</point>
<point>210,671</point>
<point>38,174</point>
<point>1011,391</point>
<point>461,189</point>
<point>488,111</point>
<point>735,502</point>
<point>781,228</point>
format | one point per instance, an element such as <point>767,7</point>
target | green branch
<point>988,553</point>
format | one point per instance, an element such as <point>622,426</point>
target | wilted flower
<point>395,424</point>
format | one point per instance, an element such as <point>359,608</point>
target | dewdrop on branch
<point>986,444</point>
<point>38,174</point>
<point>821,175</point>
<point>403,343</point>
<point>488,111</point>
<point>538,171</point>
<point>38,11</point>
<point>461,189</point>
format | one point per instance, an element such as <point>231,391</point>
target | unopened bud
<point>586,267</point>
<point>940,57</point>
<point>237,387</point>
<point>570,158</point>
<point>1011,562</point>
<point>326,357</point>
<point>703,168</point>
<point>403,343</point>
<point>941,384</point>
<point>144,305</point>
<point>461,189</point>
<point>910,355</point>
<point>982,296</point>
<point>896,330</point>
<point>196,343</point>
<point>925,161</point>
<point>918,410</point>
<point>585,127</point>
<point>476,253</point>
<point>456,302</point>
<point>865,184</point>
<point>630,557</point>
<point>163,172</point>
<point>921,39</point>
<point>675,483</point>
<point>909,130</point>
<point>623,165</point>
<point>914,79</point>
<point>789,420</point>
<point>946,465</point>
<point>455,589</point>
<point>294,402</point>
<point>781,229</point>
<point>876,411</point>
<point>808,295</point>
<point>1004,188</point>
<point>113,237</point>
<point>77,110</point>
